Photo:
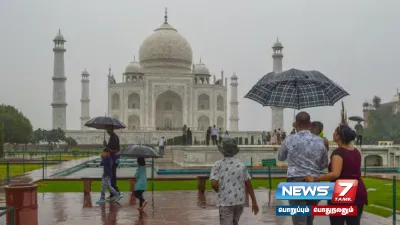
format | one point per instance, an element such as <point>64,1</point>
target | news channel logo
<point>342,191</point>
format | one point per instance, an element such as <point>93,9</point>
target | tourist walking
<point>306,155</point>
<point>278,136</point>
<point>141,182</point>
<point>189,136</point>
<point>161,145</point>
<point>317,128</point>
<point>220,134</point>
<point>184,134</point>
<point>268,138</point>
<point>208,136</point>
<point>264,138</point>
<point>345,164</point>
<point>113,147</point>
<point>274,138</point>
<point>214,134</point>
<point>359,131</point>
<point>283,136</point>
<point>107,163</point>
<point>230,179</point>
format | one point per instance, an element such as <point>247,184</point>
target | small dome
<point>201,69</point>
<point>133,68</point>
<point>165,48</point>
<point>277,44</point>
<point>59,37</point>
<point>85,73</point>
<point>234,77</point>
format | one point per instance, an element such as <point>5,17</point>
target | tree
<point>383,125</point>
<point>376,102</point>
<point>1,141</point>
<point>17,128</point>
<point>70,142</point>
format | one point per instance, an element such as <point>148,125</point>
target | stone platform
<point>164,208</point>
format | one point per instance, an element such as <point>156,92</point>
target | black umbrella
<point>296,89</point>
<point>356,118</point>
<point>102,122</point>
<point>141,151</point>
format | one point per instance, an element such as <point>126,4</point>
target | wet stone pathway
<point>164,208</point>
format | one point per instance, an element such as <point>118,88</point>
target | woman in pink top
<point>345,164</point>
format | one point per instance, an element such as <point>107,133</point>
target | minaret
<point>277,113</point>
<point>85,100</point>
<point>234,119</point>
<point>59,103</point>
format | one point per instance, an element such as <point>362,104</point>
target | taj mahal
<point>160,93</point>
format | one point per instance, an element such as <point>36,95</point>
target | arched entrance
<point>203,122</point>
<point>373,160</point>
<point>169,111</point>
<point>133,122</point>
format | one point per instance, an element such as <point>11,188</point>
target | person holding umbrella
<point>359,131</point>
<point>113,147</point>
<point>109,124</point>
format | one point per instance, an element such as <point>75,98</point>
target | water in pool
<point>98,172</point>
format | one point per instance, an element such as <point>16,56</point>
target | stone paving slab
<point>164,208</point>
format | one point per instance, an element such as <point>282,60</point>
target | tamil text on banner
<point>293,210</point>
<point>330,210</point>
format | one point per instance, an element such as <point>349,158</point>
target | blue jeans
<point>106,184</point>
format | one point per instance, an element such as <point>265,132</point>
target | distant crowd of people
<point>275,138</point>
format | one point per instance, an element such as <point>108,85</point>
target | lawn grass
<point>65,157</point>
<point>17,169</point>
<point>382,196</point>
<point>378,211</point>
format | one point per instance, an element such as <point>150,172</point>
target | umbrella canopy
<point>139,151</point>
<point>102,122</point>
<point>296,89</point>
<point>356,118</point>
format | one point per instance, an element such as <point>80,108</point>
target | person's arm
<point>283,151</point>
<point>324,161</point>
<point>337,165</point>
<point>249,186</point>
<point>214,177</point>
<point>103,159</point>
<point>326,143</point>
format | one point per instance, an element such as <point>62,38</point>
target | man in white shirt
<point>161,145</point>
<point>214,134</point>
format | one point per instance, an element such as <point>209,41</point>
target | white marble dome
<point>201,69</point>
<point>165,48</point>
<point>133,68</point>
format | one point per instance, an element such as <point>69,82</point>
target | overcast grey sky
<point>355,43</point>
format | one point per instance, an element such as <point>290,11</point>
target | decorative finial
<point>59,31</point>
<point>134,58</point>
<point>166,15</point>
<point>200,60</point>
<point>109,70</point>
<point>277,39</point>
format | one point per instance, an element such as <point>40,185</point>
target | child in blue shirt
<point>141,182</point>
<point>107,163</point>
